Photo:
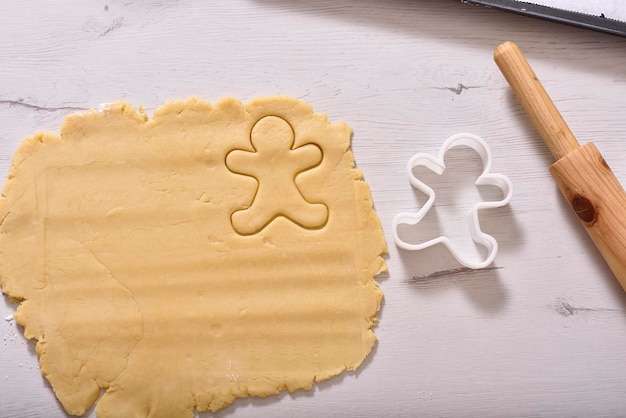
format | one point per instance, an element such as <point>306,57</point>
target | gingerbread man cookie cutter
<point>437,165</point>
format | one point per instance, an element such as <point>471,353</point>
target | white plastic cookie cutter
<point>486,178</point>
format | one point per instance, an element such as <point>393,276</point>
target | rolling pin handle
<point>530,92</point>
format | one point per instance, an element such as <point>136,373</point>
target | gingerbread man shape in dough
<point>275,164</point>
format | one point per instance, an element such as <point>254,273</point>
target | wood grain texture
<point>543,333</point>
<point>599,201</point>
<point>530,92</point>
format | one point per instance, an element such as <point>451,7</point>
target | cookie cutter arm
<point>582,175</point>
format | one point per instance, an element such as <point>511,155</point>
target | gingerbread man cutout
<point>275,164</point>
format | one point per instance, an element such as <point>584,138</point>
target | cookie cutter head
<point>485,178</point>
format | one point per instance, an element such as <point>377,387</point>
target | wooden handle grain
<point>599,201</point>
<point>584,178</point>
<point>530,92</point>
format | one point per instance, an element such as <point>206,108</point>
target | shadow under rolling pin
<point>580,172</point>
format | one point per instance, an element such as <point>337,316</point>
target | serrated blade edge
<point>571,17</point>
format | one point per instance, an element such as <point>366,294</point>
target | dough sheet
<point>209,253</point>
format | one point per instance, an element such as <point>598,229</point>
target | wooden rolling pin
<point>581,173</point>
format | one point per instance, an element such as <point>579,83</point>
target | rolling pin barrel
<point>582,175</point>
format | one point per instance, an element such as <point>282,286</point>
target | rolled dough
<point>212,252</point>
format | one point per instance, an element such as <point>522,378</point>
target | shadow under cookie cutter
<point>486,178</point>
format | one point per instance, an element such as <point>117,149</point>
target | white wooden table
<point>542,333</point>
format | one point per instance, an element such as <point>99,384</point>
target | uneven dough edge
<point>19,289</point>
